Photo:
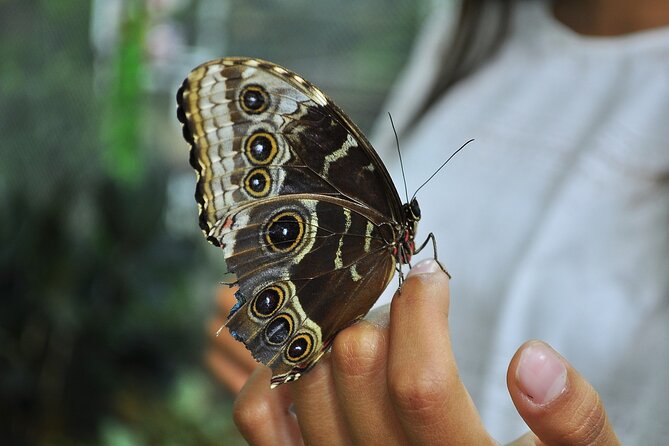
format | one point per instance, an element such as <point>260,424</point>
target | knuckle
<point>359,351</point>
<point>250,414</point>
<point>416,393</point>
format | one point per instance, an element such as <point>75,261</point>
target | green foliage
<point>100,331</point>
<point>124,109</point>
<point>100,337</point>
<point>47,116</point>
<point>92,313</point>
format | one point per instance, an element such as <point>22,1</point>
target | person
<point>553,224</point>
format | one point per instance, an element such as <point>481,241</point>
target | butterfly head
<point>412,210</point>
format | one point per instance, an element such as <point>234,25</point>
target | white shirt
<point>554,222</point>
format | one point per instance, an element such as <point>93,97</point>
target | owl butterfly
<point>307,215</point>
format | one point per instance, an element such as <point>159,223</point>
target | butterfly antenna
<point>399,152</point>
<point>440,167</point>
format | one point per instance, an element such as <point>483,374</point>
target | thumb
<point>557,403</point>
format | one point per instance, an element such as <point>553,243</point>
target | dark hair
<point>481,29</point>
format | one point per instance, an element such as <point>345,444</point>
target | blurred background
<point>106,282</point>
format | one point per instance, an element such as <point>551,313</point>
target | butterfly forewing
<point>302,206</point>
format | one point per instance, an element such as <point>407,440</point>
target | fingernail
<point>427,266</point>
<point>541,374</point>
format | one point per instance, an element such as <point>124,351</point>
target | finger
<point>263,415</point>
<point>227,345</point>
<point>359,358</point>
<point>225,299</point>
<point>555,401</point>
<point>221,337</point>
<point>226,371</point>
<point>529,439</point>
<point>318,413</point>
<point>429,398</point>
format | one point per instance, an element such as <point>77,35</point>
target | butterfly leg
<point>434,250</point>
<point>400,274</point>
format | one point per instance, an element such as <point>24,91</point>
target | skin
<point>363,393</point>
<point>611,17</point>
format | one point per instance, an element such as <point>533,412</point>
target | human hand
<point>400,385</point>
<point>227,359</point>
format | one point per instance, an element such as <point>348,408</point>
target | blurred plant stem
<point>123,112</point>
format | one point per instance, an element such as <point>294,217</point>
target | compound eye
<point>415,209</point>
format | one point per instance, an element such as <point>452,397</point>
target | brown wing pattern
<point>303,208</point>
<point>330,262</point>
<point>317,148</point>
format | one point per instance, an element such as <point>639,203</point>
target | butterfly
<point>307,215</point>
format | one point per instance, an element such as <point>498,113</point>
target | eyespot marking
<point>258,183</point>
<point>279,329</point>
<point>268,301</point>
<point>285,231</point>
<point>299,348</point>
<point>254,99</point>
<point>261,148</point>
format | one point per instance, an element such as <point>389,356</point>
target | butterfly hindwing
<point>322,273</point>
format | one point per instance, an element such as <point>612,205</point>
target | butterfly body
<point>308,218</point>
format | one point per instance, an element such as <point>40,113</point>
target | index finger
<point>429,398</point>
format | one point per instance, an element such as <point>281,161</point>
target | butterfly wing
<point>259,130</point>
<point>300,202</point>
<point>308,267</point>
